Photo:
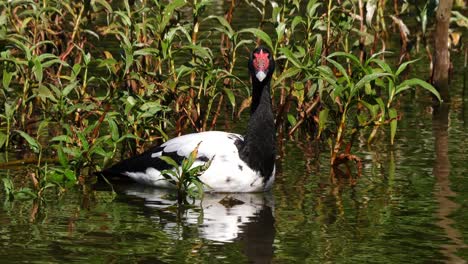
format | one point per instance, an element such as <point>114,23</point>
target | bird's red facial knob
<point>261,62</point>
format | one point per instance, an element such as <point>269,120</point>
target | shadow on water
<point>244,218</point>
<point>443,192</point>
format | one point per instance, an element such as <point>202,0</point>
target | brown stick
<point>440,75</point>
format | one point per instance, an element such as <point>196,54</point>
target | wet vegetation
<point>85,83</point>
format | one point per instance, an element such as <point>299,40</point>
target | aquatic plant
<point>185,177</point>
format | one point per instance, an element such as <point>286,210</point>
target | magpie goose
<point>238,163</point>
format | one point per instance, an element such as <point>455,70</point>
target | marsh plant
<point>84,83</point>
<point>186,176</point>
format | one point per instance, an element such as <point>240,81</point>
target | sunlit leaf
<point>405,85</point>
<point>169,161</point>
<point>259,34</point>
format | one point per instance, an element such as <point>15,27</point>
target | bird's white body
<point>226,173</point>
<point>237,164</point>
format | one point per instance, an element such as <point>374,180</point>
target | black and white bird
<point>238,163</point>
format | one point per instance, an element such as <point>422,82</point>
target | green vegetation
<point>86,82</point>
<point>186,179</point>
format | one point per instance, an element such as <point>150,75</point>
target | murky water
<point>409,206</point>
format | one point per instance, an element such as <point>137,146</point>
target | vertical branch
<point>328,26</point>
<point>440,74</point>
<point>362,28</point>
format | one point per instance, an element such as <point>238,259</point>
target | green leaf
<point>44,93</point>
<point>101,152</point>
<point>372,108</point>
<point>104,3</point>
<point>168,13</point>
<point>169,161</point>
<point>146,52</point>
<point>293,71</point>
<point>3,138</point>
<point>131,100</point>
<point>63,159</point>
<point>382,64</point>
<point>231,97</point>
<point>366,79</point>
<point>341,69</point>
<point>37,70</point>
<point>291,57</point>
<point>403,66</point>
<point>228,29</point>
<point>292,119</point>
<point>84,142</point>
<point>392,113</point>
<point>33,143</point>
<point>349,56</point>
<point>25,194</point>
<point>6,79</point>
<point>323,118</point>
<point>69,88</point>
<point>70,175</point>
<point>259,34</point>
<point>318,47</point>
<point>114,130</point>
<point>405,85</point>
<point>381,105</point>
<point>312,8</point>
<point>298,92</point>
<point>280,29</point>
<point>62,138</point>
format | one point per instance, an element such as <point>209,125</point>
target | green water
<point>408,206</point>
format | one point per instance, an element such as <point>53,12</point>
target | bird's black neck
<point>258,149</point>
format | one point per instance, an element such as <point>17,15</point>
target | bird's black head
<point>261,65</point>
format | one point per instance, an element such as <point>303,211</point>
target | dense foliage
<point>84,82</point>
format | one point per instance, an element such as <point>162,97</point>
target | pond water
<point>409,205</point>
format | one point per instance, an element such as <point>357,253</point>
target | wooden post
<point>440,74</point>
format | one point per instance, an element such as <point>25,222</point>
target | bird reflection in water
<point>245,218</point>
